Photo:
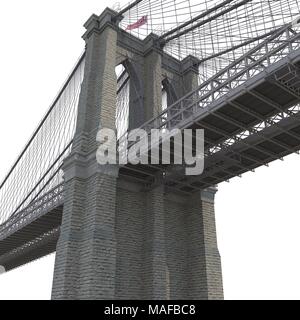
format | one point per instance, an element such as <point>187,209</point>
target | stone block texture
<point>166,246</point>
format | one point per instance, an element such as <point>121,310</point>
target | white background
<point>258,216</point>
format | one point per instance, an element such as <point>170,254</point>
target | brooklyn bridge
<point>147,231</point>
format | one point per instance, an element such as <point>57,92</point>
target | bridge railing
<point>268,52</point>
<point>38,168</point>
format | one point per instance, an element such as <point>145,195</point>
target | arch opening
<point>122,107</point>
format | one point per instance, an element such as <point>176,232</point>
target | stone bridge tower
<point>118,239</point>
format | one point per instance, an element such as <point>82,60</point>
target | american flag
<point>138,24</point>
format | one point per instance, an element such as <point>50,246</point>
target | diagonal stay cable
<point>200,16</point>
<point>165,40</point>
<point>240,45</point>
<point>133,4</point>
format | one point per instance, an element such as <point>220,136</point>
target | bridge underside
<point>32,242</point>
<point>253,125</point>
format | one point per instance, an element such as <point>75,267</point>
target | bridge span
<point>249,109</point>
